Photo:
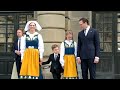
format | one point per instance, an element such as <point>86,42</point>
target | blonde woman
<point>68,51</point>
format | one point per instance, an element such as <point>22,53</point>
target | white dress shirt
<point>87,29</point>
<point>55,56</point>
<point>19,41</point>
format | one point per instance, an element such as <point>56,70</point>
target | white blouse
<point>40,45</point>
<point>62,50</point>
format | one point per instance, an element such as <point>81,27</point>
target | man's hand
<point>40,62</point>
<point>78,60</point>
<point>17,52</point>
<point>41,59</point>
<point>96,60</point>
<point>63,67</point>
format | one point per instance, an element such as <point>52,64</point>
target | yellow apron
<point>70,68</point>
<point>30,63</point>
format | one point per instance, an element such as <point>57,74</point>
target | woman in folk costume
<point>32,49</point>
<point>68,51</point>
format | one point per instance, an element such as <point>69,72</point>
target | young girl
<point>68,51</point>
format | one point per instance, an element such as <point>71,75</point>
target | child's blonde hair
<point>54,46</point>
<point>68,32</point>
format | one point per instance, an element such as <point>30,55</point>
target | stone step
<point>45,70</point>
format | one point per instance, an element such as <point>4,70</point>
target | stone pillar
<point>53,28</point>
<point>67,20</point>
<point>53,32</point>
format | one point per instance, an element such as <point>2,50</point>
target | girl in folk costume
<point>68,51</point>
<point>32,49</point>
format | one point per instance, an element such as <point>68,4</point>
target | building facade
<point>54,25</point>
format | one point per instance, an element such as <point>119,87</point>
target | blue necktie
<point>55,56</point>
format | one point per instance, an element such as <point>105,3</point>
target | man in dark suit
<point>17,50</point>
<point>88,49</point>
<point>56,68</point>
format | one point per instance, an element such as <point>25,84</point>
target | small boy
<point>56,68</point>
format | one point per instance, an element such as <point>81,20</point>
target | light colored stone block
<point>47,48</point>
<point>67,24</point>
<point>53,35</point>
<point>49,20</point>
<point>78,14</point>
<point>58,12</point>
<point>75,35</point>
<point>79,71</point>
<point>14,72</point>
<point>74,25</point>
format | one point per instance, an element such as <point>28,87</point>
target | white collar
<point>55,54</point>
<point>87,28</point>
<point>68,40</point>
<point>35,33</point>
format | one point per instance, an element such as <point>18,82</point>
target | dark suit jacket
<point>16,48</point>
<point>88,46</point>
<point>55,64</point>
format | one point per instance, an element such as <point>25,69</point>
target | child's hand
<point>40,63</point>
<point>61,74</point>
